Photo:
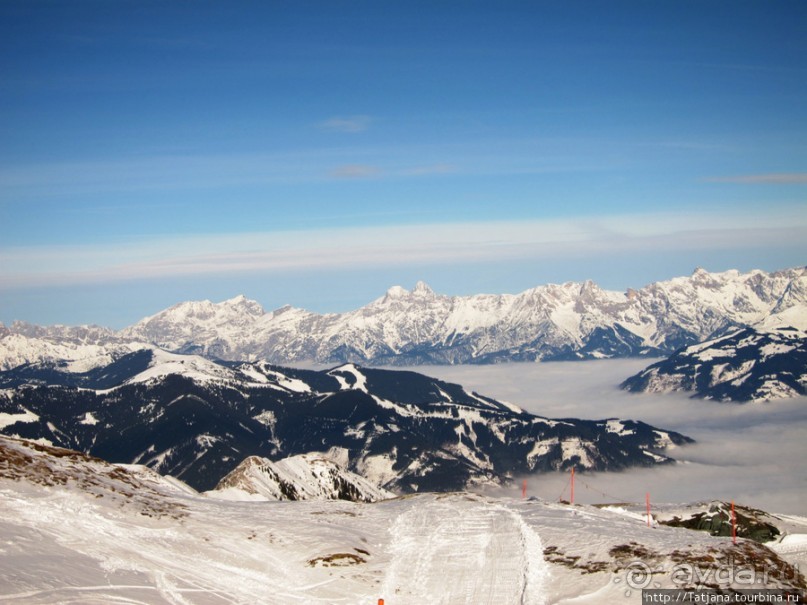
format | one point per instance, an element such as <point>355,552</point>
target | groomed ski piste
<point>74,529</point>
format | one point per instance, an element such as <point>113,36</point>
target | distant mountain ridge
<point>746,365</point>
<point>187,416</point>
<point>552,322</point>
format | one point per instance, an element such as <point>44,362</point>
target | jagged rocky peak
<point>241,302</point>
<point>182,324</point>
<point>82,334</point>
<point>314,476</point>
<point>794,295</point>
<point>205,309</point>
<point>282,310</point>
<point>588,295</point>
<point>702,277</point>
<point>395,292</point>
<point>421,290</point>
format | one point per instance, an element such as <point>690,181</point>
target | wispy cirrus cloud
<point>191,173</point>
<point>774,178</point>
<point>387,246</point>
<point>431,169</point>
<point>366,171</point>
<point>355,171</point>
<point>346,124</point>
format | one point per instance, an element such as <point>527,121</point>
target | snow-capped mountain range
<point>552,322</point>
<point>190,417</point>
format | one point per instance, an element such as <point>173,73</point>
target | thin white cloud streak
<point>388,246</point>
<point>433,169</point>
<point>167,172</point>
<point>349,124</point>
<point>751,453</point>
<point>355,171</point>
<point>176,172</point>
<point>369,171</point>
<point>776,178</point>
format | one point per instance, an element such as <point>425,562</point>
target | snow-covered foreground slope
<point>79,530</point>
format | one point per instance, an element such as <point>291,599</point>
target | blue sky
<point>316,153</point>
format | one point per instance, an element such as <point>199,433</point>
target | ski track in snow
<point>450,553</point>
<point>80,535</point>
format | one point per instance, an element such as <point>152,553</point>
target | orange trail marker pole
<point>572,496</point>
<point>380,601</point>
<point>647,503</point>
<point>524,489</point>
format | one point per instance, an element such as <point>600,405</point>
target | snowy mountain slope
<point>744,365</point>
<point>83,538</point>
<point>552,322</point>
<point>60,347</point>
<point>302,477</point>
<point>197,420</point>
<point>199,326</point>
<point>140,366</point>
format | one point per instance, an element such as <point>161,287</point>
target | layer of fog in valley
<point>752,453</point>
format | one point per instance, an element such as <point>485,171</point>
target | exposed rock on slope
<point>302,477</point>
<point>716,519</point>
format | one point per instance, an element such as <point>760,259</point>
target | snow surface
<point>78,530</point>
<point>359,379</point>
<point>192,366</point>
<point>10,419</point>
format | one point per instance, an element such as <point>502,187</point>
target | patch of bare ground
<point>341,559</point>
<point>553,554</point>
<point>624,554</point>
<point>744,561</point>
<point>22,460</point>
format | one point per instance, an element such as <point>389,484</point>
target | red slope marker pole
<point>572,496</point>
<point>647,503</point>
<point>524,489</point>
<point>380,601</point>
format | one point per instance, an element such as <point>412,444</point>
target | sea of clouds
<point>751,453</point>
